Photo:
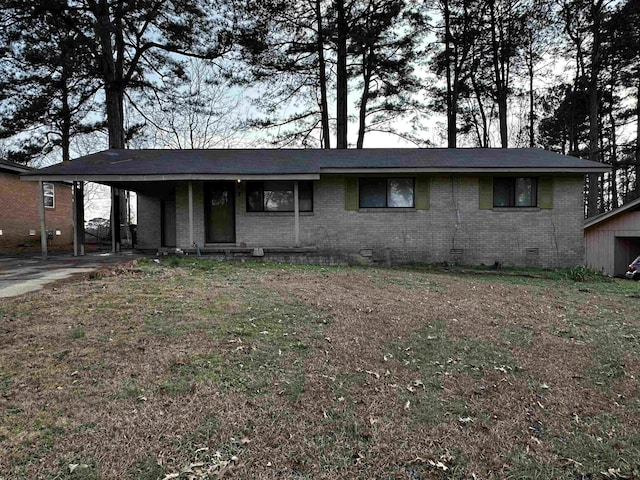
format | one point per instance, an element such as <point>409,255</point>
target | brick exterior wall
<point>453,229</point>
<point>19,213</point>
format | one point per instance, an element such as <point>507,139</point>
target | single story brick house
<point>612,239</point>
<point>19,209</point>
<point>471,206</point>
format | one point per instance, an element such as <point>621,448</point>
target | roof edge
<point>593,221</point>
<point>34,177</point>
<point>574,170</point>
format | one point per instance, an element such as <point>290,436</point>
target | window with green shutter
<point>423,192</point>
<point>545,192</point>
<point>351,193</point>
<point>515,192</point>
<point>485,185</point>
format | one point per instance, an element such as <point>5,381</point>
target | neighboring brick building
<point>469,206</point>
<point>19,212</point>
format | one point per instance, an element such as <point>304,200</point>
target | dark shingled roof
<point>185,163</point>
<point>7,166</point>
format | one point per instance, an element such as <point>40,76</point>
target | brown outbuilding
<point>612,239</point>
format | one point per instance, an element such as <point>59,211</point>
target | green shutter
<point>545,192</point>
<point>351,193</point>
<point>485,191</point>
<point>423,192</point>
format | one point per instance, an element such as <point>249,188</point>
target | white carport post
<point>75,220</point>
<point>296,211</point>
<point>191,242</point>
<point>43,225</point>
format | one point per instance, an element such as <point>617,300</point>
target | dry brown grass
<point>252,371</point>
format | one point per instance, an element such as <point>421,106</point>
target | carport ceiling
<point>163,190</point>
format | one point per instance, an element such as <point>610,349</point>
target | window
<point>515,192</point>
<point>49,195</point>
<point>277,196</point>
<point>378,192</point>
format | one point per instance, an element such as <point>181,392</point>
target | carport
<point>612,239</point>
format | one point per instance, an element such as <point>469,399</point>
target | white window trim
<point>52,195</point>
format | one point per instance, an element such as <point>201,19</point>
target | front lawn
<point>199,369</point>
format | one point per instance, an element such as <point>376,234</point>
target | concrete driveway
<point>28,273</point>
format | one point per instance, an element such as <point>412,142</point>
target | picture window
<point>515,192</point>
<point>278,196</point>
<point>381,192</point>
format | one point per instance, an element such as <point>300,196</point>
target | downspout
<point>191,242</point>
<point>43,227</point>
<point>114,230</point>
<point>296,211</point>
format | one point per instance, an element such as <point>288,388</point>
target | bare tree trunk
<point>65,140</point>
<point>341,73</point>
<point>638,136</point>
<point>614,153</point>
<point>451,114</point>
<point>483,139</point>
<point>498,68</point>
<point>532,140</point>
<point>366,80</point>
<point>324,111</point>
<point>594,151</point>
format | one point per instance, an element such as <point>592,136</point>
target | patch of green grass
<point>612,335</point>
<point>6,381</point>
<point>596,445</point>
<point>270,318</point>
<point>521,336</point>
<point>34,436</point>
<point>524,466</point>
<point>434,355</point>
<point>432,352</point>
<point>270,336</point>
<point>293,385</point>
<point>454,460</point>
<point>334,446</point>
<point>130,390</point>
<point>207,367</point>
<point>206,445</point>
<point>77,332</point>
<point>147,469</point>
<point>163,325</point>
<point>265,337</point>
<point>60,356</point>
<point>80,468</point>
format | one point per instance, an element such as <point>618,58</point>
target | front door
<point>220,211</point>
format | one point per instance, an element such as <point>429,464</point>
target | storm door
<point>219,213</point>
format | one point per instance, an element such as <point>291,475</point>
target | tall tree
<point>505,24</point>
<point>285,45</point>
<point>49,84</point>
<point>329,51</point>
<point>383,51</point>
<point>457,34</point>
<point>538,41</point>
<point>342,91</point>
<point>584,22</point>
<point>203,112</point>
<point>624,32</point>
